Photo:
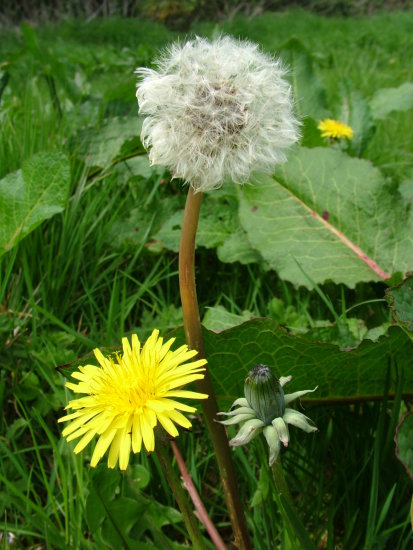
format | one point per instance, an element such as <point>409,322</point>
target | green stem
<point>193,332</point>
<point>279,479</point>
<point>191,523</point>
<point>295,528</point>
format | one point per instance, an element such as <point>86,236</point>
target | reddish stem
<point>201,512</point>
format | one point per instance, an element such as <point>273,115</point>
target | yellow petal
<point>172,404</point>
<point>78,422</point>
<point>102,445</point>
<point>180,419</point>
<point>87,438</point>
<point>150,417</point>
<point>77,433</point>
<point>101,358</point>
<point>114,449</point>
<point>147,434</point>
<point>168,425</point>
<point>136,434</point>
<point>124,451</point>
<point>187,394</point>
<point>70,416</point>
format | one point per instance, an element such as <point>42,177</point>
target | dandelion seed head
<point>215,111</point>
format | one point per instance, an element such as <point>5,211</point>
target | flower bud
<point>264,393</point>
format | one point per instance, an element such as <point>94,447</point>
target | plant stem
<point>279,479</point>
<point>295,528</point>
<point>201,512</point>
<point>193,332</point>
<point>191,523</point>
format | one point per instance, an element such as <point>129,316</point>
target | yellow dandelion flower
<point>127,395</point>
<point>334,129</point>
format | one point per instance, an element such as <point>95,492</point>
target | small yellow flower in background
<point>127,395</point>
<point>334,129</point>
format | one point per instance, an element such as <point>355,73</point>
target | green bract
<point>264,393</point>
<point>263,409</point>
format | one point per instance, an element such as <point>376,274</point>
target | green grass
<point>64,289</point>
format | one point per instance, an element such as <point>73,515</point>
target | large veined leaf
<point>116,138</point>
<point>217,222</point>
<point>31,195</point>
<point>400,299</point>
<point>218,318</point>
<point>355,374</point>
<point>404,443</point>
<point>327,216</point>
<point>392,99</point>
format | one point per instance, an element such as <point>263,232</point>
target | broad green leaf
<point>406,190</point>
<point>400,298</point>
<point>326,216</point>
<point>218,318</point>
<point>217,222</point>
<point>31,195</point>
<point>387,100</point>
<point>311,135</point>
<point>103,485</point>
<point>141,224</point>
<point>355,112</point>
<point>120,514</point>
<point>116,138</point>
<point>404,442</point>
<point>309,91</point>
<point>237,248</point>
<point>140,476</point>
<point>356,374</point>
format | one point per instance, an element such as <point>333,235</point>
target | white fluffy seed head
<point>215,111</point>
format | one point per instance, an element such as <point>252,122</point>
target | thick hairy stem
<point>193,332</point>
<point>191,523</point>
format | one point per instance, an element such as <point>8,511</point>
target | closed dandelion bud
<point>264,394</point>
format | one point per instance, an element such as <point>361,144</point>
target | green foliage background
<point>88,237</point>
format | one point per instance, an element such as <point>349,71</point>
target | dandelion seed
<point>128,395</point>
<point>215,111</point>
<point>334,129</point>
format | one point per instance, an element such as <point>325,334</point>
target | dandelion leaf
<point>387,100</point>
<point>36,192</point>
<point>327,216</point>
<point>404,443</point>
<point>116,138</point>
<point>354,374</point>
<point>123,521</point>
<point>217,318</point>
<point>400,299</point>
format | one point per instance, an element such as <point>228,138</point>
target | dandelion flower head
<point>335,129</point>
<point>127,395</point>
<point>215,111</point>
